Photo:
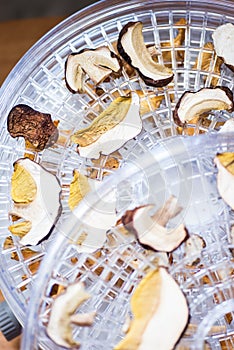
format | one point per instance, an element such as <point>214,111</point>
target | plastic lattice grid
<point>41,85</point>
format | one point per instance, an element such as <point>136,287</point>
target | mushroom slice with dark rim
<point>160,314</point>
<point>36,205</point>
<point>132,48</point>
<point>98,64</point>
<point>194,104</point>
<point>36,127</point>
<point>225,177</point>
<point>117,124</point>
<point>223,38</point>
<point>151,231</point>
<point>62,315</point>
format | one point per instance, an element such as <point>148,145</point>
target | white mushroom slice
<point>116,125</point>
<point>192,249</point>
<point>132,48</point>
<point>223,38</point>
<point>194,104</point>
<point>62,316</point>
<point>98,64</point>
<point>44,209</point>
<point>160,314</point>
<point>83,320</point>
<point>149,229</point>
<point>225,176</point>
<point>228,126</point>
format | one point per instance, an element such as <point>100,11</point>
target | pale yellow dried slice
<point>225,177</point>
<point>21,228</point>
<point>79,187</point>
<point>160,314</point>
<point>116,125</point>
<point>107,120</point>
<point>23,186</point>
<point>205,62</point>
<point>43,209</point>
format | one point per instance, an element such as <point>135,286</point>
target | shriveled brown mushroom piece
<point>62,315</point>
<point>223,38</point>
<point>150,229</point>
<point>98,64</point>
<point>36,127</point>
<point>194,104</point>
<point>117,124</point>
<point>132,48</point>
<point>36,206</point>
<point>160,314</point>
<point>225,177</point>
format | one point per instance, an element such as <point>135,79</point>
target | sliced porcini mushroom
<point>223,38</point>
<point>228,126</point>
<point>150,230</point>
<point>62,315</point>
<point>225,177</point>
<point>37,212</point>
<point>195,104</point>
<point>160,313</point>
<point>79,187</point>
<point>209,62</point>
<point>108,132</point>
<point>132,48</point>
<point>98,64</point>
<point>177,42</point>
<point>36,127</point>
<point>192,249</point>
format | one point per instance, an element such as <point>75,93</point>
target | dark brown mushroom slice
<point>36,127</point>
<point>223,38</point>
<point>132,48</point>
<point>98,64</point>
<point>195,104</point>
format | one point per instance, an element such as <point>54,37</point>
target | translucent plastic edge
<point>56,250</point>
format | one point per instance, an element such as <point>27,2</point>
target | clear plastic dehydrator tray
<point>183,168</point>
<point>38,81</point>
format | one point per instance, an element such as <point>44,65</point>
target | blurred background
<point>16,9</point>
<point>23,22</point>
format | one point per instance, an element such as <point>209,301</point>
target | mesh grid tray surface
<point>38,80</point>
<point>111,274</point>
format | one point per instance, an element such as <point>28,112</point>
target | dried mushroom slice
<point>36,214</point>
<point>195,104</point>
<point>160,314</point>
<point>98,64</point>
<point>192,249</point>
<point>132,48</point>
<point>108,132</point>
<point>151,230</point>
<point>223,38</point>
<point>79,187</point>
<point>208,63</point>
<point>62,315</point>
<point>228,126</point>
<point>36,127</point>
<point>225,177</point>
